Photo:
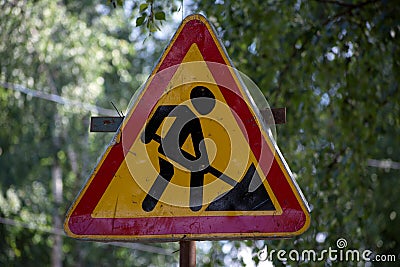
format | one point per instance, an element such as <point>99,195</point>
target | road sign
<point>193,159</point>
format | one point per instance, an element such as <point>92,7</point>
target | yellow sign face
<point>226,146</point>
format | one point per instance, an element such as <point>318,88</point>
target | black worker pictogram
<point>186,124</point>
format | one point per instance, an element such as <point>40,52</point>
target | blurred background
<point>334,64</point>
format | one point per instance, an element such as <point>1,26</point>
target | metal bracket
<point>278,114</point>
<point>105,124</point>
<point>111,124</point>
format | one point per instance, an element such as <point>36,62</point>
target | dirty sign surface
<point>193,158</point>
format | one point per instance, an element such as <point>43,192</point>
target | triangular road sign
<point>193,158</point>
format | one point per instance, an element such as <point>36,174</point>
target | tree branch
<point>336,2</point>
<point>349,5</point>
<point>349,9</point>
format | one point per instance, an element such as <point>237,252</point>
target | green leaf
<point>160,15</point>
<point>140,20</point>
<point>153,28</point>
<point>143,7</point>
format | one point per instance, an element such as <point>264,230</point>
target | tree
<point>335,66</point>
<point>59,50</point>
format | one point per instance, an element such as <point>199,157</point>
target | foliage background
<point>334,65</point>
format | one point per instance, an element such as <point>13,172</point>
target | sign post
<point>187,253</point>
<point>194,158</point>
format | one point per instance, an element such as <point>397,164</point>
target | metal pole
<point>187,253</point>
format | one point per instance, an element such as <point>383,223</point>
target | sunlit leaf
<point>143,7</point>
<point>140,20</point>
<point>160,15</point>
